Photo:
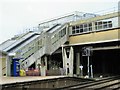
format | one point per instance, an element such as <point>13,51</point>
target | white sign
<point>12,54</point>
<point>81,67</point>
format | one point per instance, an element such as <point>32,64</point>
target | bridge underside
<point>104,60</point>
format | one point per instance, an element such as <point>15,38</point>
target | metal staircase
<point>51,41</point>
<point>32,55</point>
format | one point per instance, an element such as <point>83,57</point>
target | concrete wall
<point>119,13</point>
<point>2,65</point>
<point>95,37</point>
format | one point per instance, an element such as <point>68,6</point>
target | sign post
<point>88,66</point>
<point>81,70</point>
<point>87,52</point>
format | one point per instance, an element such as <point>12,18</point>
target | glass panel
<point>96,23</point>
<point>81,29</point>
<point>104,25</point>
<point>78,31</point>
<point>77,27</point>
<point>81,26</point>
<point>73,27</point>
<point>85,25</point>
<point>100,23</point>
<point>96,27</point>
<point>73,31</point>
<point>99,27</point>
<point>109,25</point>
<point>85,28</point>
<point>59,35</point>
<point>109,22</point>
<point>90,26</point>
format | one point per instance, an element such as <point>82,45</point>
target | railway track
<point>106,83</point>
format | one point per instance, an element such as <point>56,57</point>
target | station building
<point>79,43</point>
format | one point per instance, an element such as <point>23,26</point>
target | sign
<point>11,54</point>
<point>81,67</point>
<point>86,51</point>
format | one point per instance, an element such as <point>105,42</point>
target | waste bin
<point>16,66</point>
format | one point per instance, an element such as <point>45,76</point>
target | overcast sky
<point>17,15</point>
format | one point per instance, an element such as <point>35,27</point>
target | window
<point>103,25</point>
<point>77,27</point>
<point>81,28</point>
<point>59,35</point>
<point>40,43</point>
<point>97,25</point>
<point>109,24</point>
<point>73,28</point>
<point>73,31</point>
<point>78,31</point>
<point>85,28</point>
<point>100,25</point>
<point>90,26</point>
<point>64,30</point>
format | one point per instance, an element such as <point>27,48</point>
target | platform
<point>10,80</point>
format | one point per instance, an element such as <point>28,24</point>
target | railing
<point>20,41</point>
<point>32,58</point>
<point>48,47</point>
<point>74,16</point>
<point>107,11</point>
<point>31,52</point>
<point>59,38</point>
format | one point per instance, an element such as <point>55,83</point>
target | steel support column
<point>68,61</point>
<point>78,63</point>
